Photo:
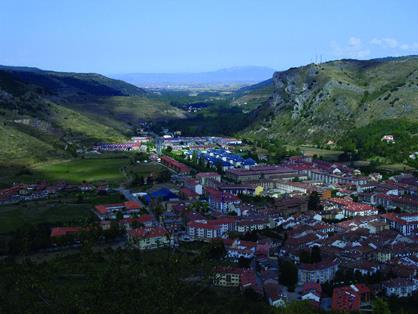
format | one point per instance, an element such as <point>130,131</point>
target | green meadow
<point>80,170</point>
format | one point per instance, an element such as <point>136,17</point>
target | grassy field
<point>331,155</point>
<point>147,169</point>
<point>44,211</point>
<point>65,208</point>
<point>79,170</point>
<point>395,168</point>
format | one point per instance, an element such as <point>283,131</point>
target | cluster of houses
<point>350,227</point>
<point>194,143</point>
<point>132,145</point>
<point>30,192</point>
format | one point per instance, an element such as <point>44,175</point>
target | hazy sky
<point>117,36</point>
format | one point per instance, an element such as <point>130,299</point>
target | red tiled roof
<point>399,218</point>
<point>104,208</point>
<point>350,205</point>
<point>318,266</point>
<point>220,196</point>
<point>345,299</point>
<point>132,205</point>
<point>309,286</point>
<point>228,270</point>
<point>399,199</point>
<point>62,231</point>
<point>188,193</point>
<point>148,232</point>
<point>172,162</point>
<point>207,174</point>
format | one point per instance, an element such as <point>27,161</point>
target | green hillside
<point>251,97</point>
<point>47,115</point>
<point>318,103</point>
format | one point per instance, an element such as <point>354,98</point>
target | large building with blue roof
<point>223,157</point>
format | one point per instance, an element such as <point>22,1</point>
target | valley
<point>221,184</point>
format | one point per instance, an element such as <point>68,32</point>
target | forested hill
<point>67,84</point>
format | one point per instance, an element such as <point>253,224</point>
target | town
<point>304,229</point>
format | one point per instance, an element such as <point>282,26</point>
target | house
<point>388,138</point>
<point>58,232</point>
<point>331,178</point>
<point>352,209</point>
<point>237,248</point>
<point>226,277</point>
<point>203,177</point>
<point>318,272</point>
<point>377,226</point>
<point>406,203</point>
<point>292,187</point>
<point>133,222</point>
<point>223,202</point>
<point>260,172</point>
<point>311,292</point>
<point>188,194</point>
<point>146,238</point>
<point>350,298</point>
<point>109,211</point>
<point>273,293</point>
<point>406,224</point>
<point>203,230</point>
<point>248,225</point>
<point>400,287</point>
<point>194,185</point>
<point>175,165</point>
<point>248,280</point>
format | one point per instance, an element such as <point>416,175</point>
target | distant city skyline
<point>116,37</point>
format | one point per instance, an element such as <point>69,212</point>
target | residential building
<point>109,211</point>
<point>406,224</point>
<point>318,272</point>
<point>400,287</point>
<point>146,238</point>
<point>58,232</point>
<point>350,298</point>
<point>175,165</point>
<point>273,293</point>
<point>226,277</point>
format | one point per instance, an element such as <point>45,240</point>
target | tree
<point>297,307</point>
<point>288,274</point>
<point>119,215</point>
<point>315,254</point>
<point>380,306</point>
<point>304,257</point>
<point>314,201</point>
<point>244,262</point>
<point>216,249</point>
<point>194,157</point>
<point>219,166</point>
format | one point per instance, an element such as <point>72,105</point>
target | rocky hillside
<point>321,102</point>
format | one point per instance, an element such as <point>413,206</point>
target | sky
<point>126,36</point>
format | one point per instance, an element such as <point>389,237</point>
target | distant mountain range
<point>234,75</point>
